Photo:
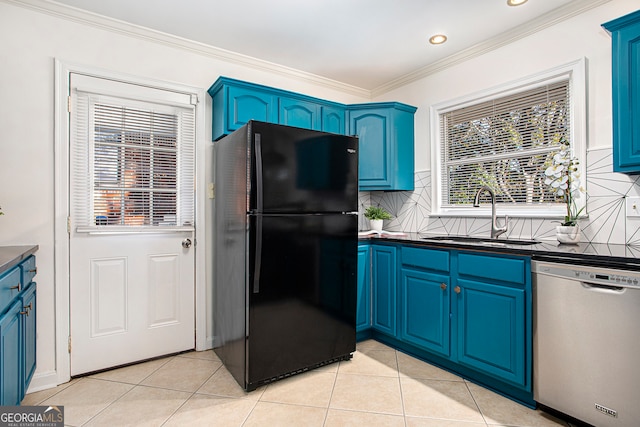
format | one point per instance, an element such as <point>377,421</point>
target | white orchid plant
<point>563,179</point>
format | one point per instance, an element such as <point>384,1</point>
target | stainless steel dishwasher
<point>586,342</point>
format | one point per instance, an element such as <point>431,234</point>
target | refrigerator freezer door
<point>296,170</point>
<point>302,312</point>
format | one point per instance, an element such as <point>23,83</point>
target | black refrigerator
<point>285,251</point>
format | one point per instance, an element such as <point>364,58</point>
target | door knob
<point>443,286</point>
<point>457,289</point>
<point>186,243</point>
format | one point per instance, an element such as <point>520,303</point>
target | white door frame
<point>61,208</point>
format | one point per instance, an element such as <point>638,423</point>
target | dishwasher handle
<point>604,288</point>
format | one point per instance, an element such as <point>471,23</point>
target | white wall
<point>580,36</point>
<point>31,40</point>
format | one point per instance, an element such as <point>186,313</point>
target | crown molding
<point>73,14</point>
<point>547,20</point>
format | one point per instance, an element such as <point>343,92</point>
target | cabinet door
<point>29,333</point>
<point>491,330</point>
<point>333,120</point>
<point>383,286</point>
<point>249,104</point>
<point>363,310</point>
<point>302,114</point>
<point>372,127</point>
<point>11,383</point>
<point>425,310</point>
<point>625,34</point>
<point>10,286</point>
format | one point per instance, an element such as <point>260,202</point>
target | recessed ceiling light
<point>516,2</point>
<point>438,39</point>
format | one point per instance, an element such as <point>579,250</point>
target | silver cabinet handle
<point>186,243</point>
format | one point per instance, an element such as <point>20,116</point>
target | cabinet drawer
<point>493,268</point>
<point>29,270</point>
<point>430,259</point>
<point>10,286</point>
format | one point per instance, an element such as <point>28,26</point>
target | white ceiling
<point>367,44</point>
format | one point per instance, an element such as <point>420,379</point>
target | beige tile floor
<point>378,387</point>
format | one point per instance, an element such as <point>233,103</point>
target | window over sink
<point>505,138</point>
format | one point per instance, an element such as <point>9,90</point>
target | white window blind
<point>133,166</point>
<point>504,143</point>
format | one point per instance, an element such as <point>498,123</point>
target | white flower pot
<point>568,234</point>
<point>376,224</point>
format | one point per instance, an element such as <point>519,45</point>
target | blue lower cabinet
<point>383,288</point>
<point>28,319</point>
<point>466,311</point>
<point>11,352</point>
<point>363,310</point>
<point>425,310</point>
<point>491,330</point>
<point>17,331</point>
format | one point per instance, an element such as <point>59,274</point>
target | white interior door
<point>131,223</point>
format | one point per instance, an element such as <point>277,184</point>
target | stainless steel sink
<point>481,240</point>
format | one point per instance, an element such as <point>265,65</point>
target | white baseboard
<point>43,381</point>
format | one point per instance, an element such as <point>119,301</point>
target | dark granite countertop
<point>11,256</point>
<point>610,255</point>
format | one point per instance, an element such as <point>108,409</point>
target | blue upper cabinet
<point>333,119</point>
<point>298,113</point>
<point>386,135</point>
<point>385,130</point>
<point>235,102</point>
<point>625,55</point>
<point>234,106</point>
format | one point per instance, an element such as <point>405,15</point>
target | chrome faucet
<point>495,230</point>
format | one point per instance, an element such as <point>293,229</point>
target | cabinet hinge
<point>68,224</point>
<point>69,103</point>
<point>69,344</point>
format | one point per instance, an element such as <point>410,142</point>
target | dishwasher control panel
<point>599,276</point>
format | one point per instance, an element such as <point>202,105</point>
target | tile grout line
<point>404,412</point>
<point>335,380</point>
<point>110,403</point>
<point>466,384</point>
<point>192,394</point>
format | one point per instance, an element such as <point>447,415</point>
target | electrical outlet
<point>633,206</point>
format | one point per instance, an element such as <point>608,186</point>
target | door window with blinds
<point>506,141</point>
<point>133,158</point>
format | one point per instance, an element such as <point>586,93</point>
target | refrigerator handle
<point>258,154</point>
<point>259,206</point>
<point>257,264</point>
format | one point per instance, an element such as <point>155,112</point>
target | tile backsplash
<point>606,196</point>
